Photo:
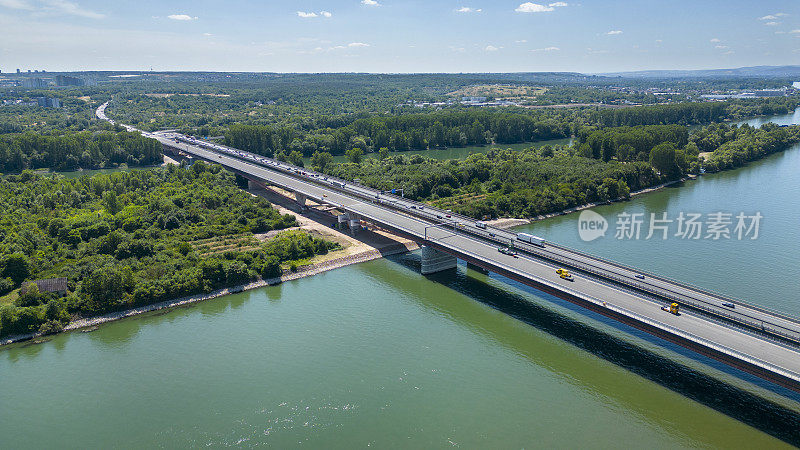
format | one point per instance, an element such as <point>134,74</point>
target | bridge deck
<point>772,355</point>
<point>608,288</point>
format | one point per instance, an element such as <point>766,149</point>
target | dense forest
<point>548,179</point>
<point>693,113</point>
<point>449,128</point>
<point>504,183</point>
<point>132,238</point>
<point>628,143</point>
<point>73,150</point>
<point>733,147</point>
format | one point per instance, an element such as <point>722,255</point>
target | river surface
<point>376,355</point>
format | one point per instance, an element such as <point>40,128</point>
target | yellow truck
<point>672,308</point>
<point>564,274</point>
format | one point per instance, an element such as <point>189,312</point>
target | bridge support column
<point>355,222</point>
<point>252,185</point>
<point>435,261</point>
<point>301,199</point>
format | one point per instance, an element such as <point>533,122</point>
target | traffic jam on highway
<point>444,217</point>
<point>480,225</point>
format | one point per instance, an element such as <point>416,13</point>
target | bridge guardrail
<point>494,235</point>
<point>674,330</point>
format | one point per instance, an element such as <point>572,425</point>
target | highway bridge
<point>745,336</point>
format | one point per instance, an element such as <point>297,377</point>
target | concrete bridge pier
<point>253,185</point>
<point>355,222</point>
<point>301,200</point>
<point>436,261</point>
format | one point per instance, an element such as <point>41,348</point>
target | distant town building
<point>771,93</point>
<point>57,286</point>
<point>796,85</point>
<point>17,70</point>
<point>48,102</point>
<point>33,83</point>
<point>63,80</point>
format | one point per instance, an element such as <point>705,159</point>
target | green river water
<point>376,355</point>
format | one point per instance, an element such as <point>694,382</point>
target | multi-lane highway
<point>742,335</point>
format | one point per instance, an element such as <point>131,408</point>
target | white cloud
<point>794,31</point>
<point>370,3</point>
<point>184,17</point>
<point>65,7</point>
<point>311,15</point>
<point>492,48</point>
<point>614,32</point>
<point>357,44</point>
<point>771,24</point>
<point>521,41</point>
<point>768,17</point>
<point>546,49</point>
<point>16,4</point>
<point>558,4</point>
<point>715,40</point>
<point>720,46</point>
<point>529,7</point>
<point>207,34</point>
<point>467,9</point>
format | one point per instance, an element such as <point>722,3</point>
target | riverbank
<point>507,222</point>
<point>367,245</point>
<point>304,271</point>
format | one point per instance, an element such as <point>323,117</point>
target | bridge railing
<point>505,237</point>
<point>744,320</point>
<point>657,324</point>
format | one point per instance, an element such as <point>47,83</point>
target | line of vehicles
<point>524,237</point>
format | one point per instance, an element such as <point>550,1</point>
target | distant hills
<point>741,72</point>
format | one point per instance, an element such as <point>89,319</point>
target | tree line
<point>130,239</point>
<point>73,150</point>
<point>420,131</point>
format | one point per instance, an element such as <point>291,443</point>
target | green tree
<point>354,155</point>
<point>296,158</point>
<point>321,160</point>
<point>663,158</point>
<point>16,267</point>
<point>111,203</point>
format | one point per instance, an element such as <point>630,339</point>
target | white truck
<point>531,239</point>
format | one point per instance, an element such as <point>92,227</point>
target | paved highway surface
<point>604,283</point>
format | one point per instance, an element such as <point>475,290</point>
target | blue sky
<point>396,36</point>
